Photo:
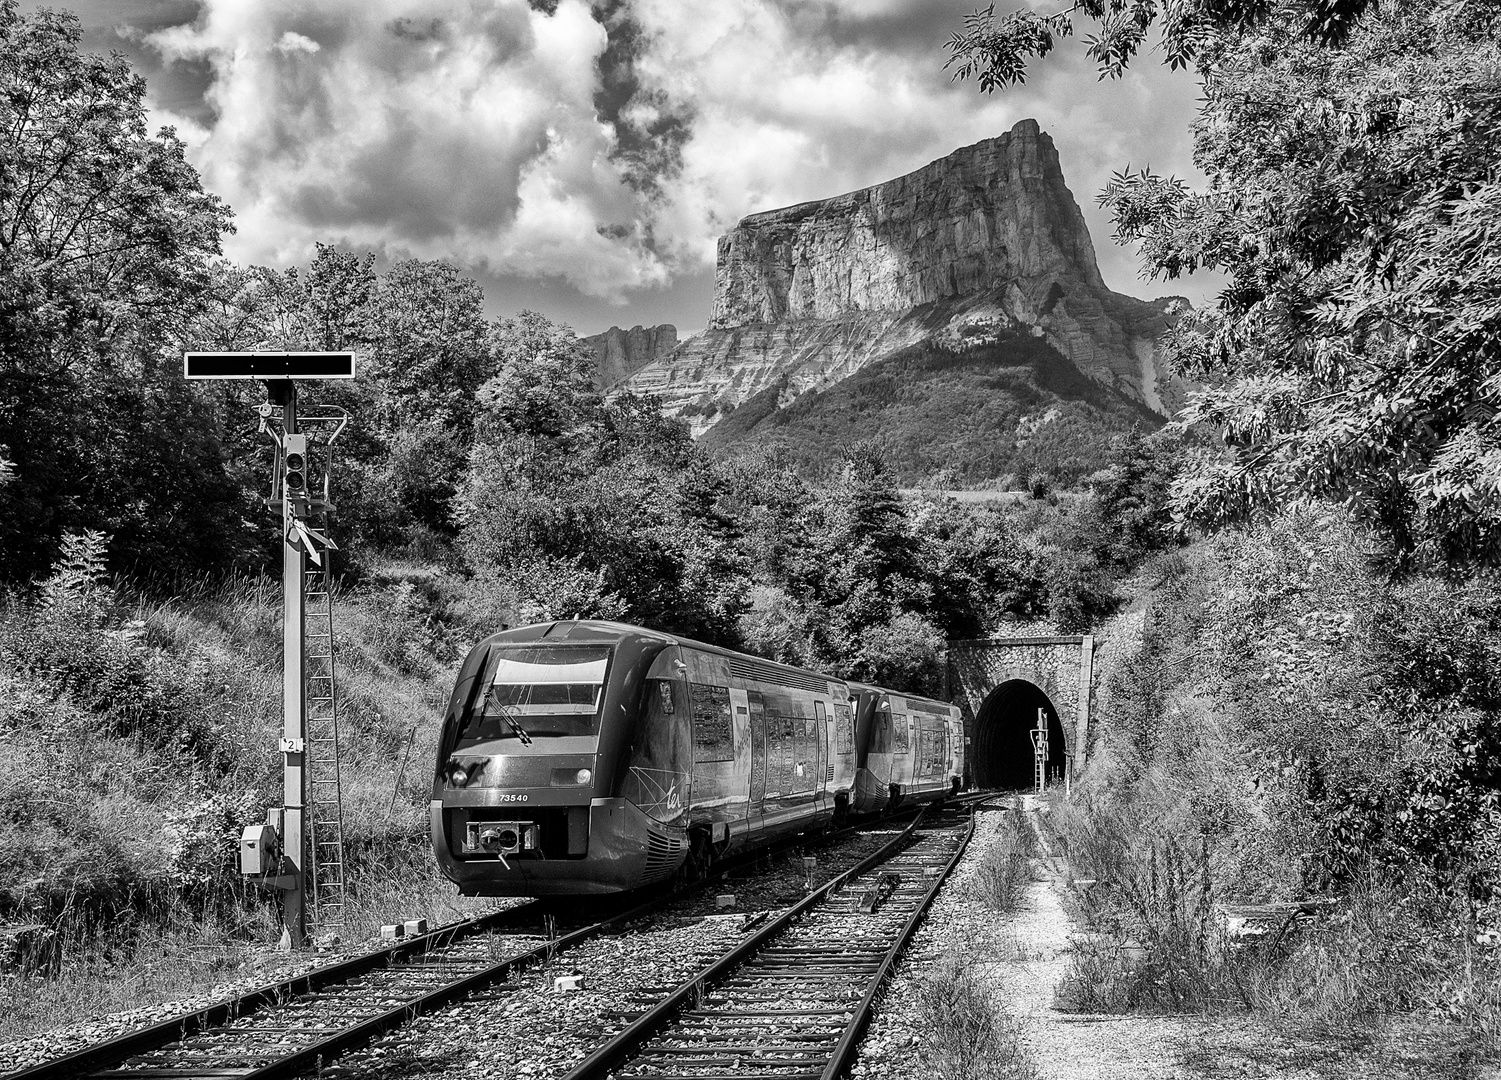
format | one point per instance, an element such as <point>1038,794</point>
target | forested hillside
<point>997,408</point>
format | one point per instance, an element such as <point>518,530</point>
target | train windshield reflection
<point>538,690</point>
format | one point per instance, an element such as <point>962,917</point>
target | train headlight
<point>571,777</point>
<point>461,772</point>
<point>583,776</point>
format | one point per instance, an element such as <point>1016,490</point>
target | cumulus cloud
<point>454,129</point>
<point>605,145</point>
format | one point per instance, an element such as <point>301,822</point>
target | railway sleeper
<point>736,1043</point>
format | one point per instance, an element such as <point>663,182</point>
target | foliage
<point>1351,152</point>
<point>1132,507</point>
<point>137,738</point>
<point>575,500</point>
<point>1311,720</point>
<point>424,346</point>
<point>993,51</point>
<point>1164,948</point>
<point>1387,948</point>
<point>104,237</point>
<point>1004,871</point>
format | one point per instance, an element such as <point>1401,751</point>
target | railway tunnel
<point>1001,756</point>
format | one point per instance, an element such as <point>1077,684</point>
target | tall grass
<point>1162,947</point>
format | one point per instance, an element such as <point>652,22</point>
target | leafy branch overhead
<point>993,49</point>
<point>1353,206</point>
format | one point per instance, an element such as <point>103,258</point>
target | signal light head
<point>296,475</point>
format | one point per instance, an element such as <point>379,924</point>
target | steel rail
<point>100,1056</point>
<point>629,1040</point>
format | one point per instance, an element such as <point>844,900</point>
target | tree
<point>1351,149</point>
<point>994,51</point>
<point>603,503</point>
<point>1132,497</point>
<point>106,239</point>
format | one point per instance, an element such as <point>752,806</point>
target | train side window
<point>713,733</point>
<point>899,738</point>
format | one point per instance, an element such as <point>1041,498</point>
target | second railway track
<point>791,1001</point>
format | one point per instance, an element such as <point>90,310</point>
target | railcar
<point>588,757</point>
<point>910,748</point>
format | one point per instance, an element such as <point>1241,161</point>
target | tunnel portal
<point>1002,755</point>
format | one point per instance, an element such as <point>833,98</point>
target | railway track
<point>297,1025</point>
<point>792,1001</point>
<point>280,1028</point>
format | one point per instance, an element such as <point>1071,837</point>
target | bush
<point>968,1033</point>
<point>1163,948</point>
<point>1001,878</point>
<point>139,738</point>
<point>1290,721</point>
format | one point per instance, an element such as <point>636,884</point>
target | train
<point>586,757</point>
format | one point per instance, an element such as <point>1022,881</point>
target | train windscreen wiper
<point>515,725</point>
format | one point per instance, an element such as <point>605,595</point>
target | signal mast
<point>300,848</point>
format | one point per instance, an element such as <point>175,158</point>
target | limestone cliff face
<point>621,353</point>
<point>985,215</point>
<point>987,237</point>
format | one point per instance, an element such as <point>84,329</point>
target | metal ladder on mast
<point>1040,753</point>
<point>325,802</point>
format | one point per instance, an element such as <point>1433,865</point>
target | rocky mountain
<point>971,255</point>
<point>622,353</point>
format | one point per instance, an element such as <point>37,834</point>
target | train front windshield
<point>538,691</point>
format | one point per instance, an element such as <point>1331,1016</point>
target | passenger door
<point>821,759</point>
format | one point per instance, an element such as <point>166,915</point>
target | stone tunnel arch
<point>1000,683</point>
<point>1001,751</point>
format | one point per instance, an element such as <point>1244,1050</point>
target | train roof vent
<point>761,671</point>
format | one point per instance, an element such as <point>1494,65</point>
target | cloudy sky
<point>582,158</point>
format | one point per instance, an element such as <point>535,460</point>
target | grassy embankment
<point>139,737</point>
<point>1291,724</point>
